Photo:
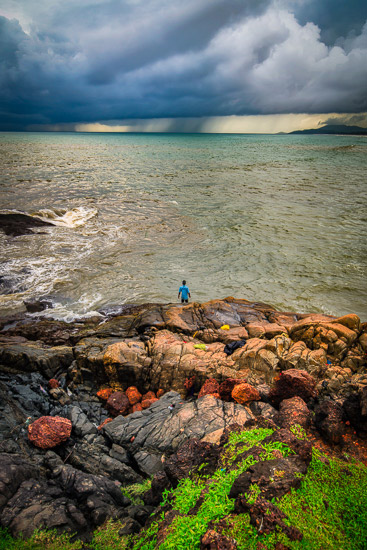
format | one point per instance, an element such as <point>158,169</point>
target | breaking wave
<point>66,218</point>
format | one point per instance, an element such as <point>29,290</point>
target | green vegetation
<point>329,508</point>
<point>134,491</point>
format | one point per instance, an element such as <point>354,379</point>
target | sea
<point>279,219</point>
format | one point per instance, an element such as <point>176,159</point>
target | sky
<point>182,65</point>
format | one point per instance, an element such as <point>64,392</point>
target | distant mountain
<point>337,129</point>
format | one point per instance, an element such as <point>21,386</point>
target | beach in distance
<point>278,219</point>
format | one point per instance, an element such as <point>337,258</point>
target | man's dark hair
<point>183,282</point>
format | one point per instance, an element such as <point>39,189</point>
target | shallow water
<point>279,219</point>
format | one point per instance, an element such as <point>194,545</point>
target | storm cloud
<point>94,60</point>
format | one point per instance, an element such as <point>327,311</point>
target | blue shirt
<point>184,292</point>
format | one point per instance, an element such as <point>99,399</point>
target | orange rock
<point>137,407</point>
<point>133,395</point>
<point>244,393</point>
<point>147,402</point>
<point>53,383</point>
<point>226,387</point>
<point>49,431</point>
<point>104,423</point>
<point>105,393</point>
<point>148,395</point>
<point>160,392</point>
<point>210,387</point>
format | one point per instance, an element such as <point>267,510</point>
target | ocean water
<point>279,219</point>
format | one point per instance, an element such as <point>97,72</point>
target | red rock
<point>210,387</point>
<point>226,387</point>
<point>244,393</point>
<point>147,402</point>
<point>160,392</point>
<point>133,395</point>
<point>137,407</point>
<point>53,383</point>
<point>292,383</point>
<point>105,393</point>
<point>107,421</point>
<point>149,395</point>
<point>49,431</point>
<point>118,403</point>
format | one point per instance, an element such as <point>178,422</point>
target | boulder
<point>189,456</point>
<point>294,411</point>
<point>329,421</point>
<point>244,393</point>
<point>49,431</point>
<point>105,393</point>
<point>35,356</point>
<point>210,387</point>
<point>215,541</point>
<point>274,478</point>
<point>266,517</point>
<point>226,387</point>
<point>160,431</point>
<point>292,383</point>
<point>133,395</point>
<point>117,404</point>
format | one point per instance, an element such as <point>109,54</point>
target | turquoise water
<point>279,219</point>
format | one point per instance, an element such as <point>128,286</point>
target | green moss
<point>135,490</point>
<point>40,540</point>
<point>330,508</point>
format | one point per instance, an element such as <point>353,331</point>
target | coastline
<point>154,390</point>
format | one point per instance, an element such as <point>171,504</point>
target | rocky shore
<point>153,391</point>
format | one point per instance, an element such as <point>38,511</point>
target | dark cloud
<point>110,60</point>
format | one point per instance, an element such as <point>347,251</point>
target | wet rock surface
<point>158,359</point>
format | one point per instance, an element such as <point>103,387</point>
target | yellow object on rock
<point>200,346</point>
<point>225,327</point>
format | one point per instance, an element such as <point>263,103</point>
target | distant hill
<point>335,129</point>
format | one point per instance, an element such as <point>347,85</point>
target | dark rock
<point>301,447</point>
<point>14,470</point>
<point>266,517</point>
<point>275,478</point>
<point>93,457</point>
<point>355,410</point>
<point>118,403</point>
<point>20,224</point>
<point>81,425</point>
<point>329,421</point>
<point>131,526</point>
<point>71,500</point>
<point>39,506</point>
<point>190,455</point>
<point>35,306</point>
<point>292,383</point>
<point>214,541</point>
<point>140,513</point>
<point>265,410</point>
<point>294,411</point>
<point>159,431</point>
<point>35,356</point>
<point>160,483</point>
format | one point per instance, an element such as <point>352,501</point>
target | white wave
<point>66,218</point>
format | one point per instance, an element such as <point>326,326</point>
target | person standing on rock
<point>185,293</point>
